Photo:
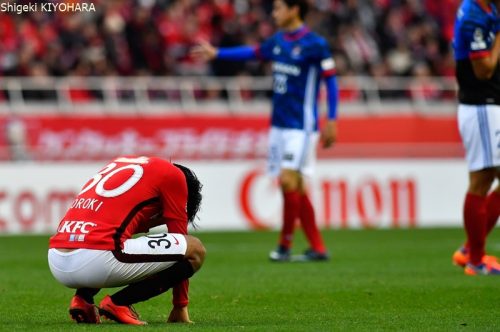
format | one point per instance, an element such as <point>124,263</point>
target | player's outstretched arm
<point>204,51</point>
<point>179,315</point>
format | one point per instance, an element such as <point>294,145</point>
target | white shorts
<point>292,149</point>
<point>479,127</point>
<point>141,257</point>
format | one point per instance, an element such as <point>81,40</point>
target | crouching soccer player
<point>93,247</point>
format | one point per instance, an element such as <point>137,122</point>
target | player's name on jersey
<point>87,203</point>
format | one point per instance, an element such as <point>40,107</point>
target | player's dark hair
<point>194,192</point>
<point>302,4</point>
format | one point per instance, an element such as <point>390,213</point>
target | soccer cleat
<point>481,269</point>
<point>119,313</point>
<point>281,254</point>
<point>488,266</point>
<point>460,257</point>
<point>312,255</point>
<point>488,259</point>
<point>83,312</point>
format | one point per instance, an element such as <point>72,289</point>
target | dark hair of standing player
<point>302,4</point>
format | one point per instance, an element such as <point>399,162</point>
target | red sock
<point>291,211</point>
<point>308,222</point>
<point>492,210</point>
<point>475,225</point>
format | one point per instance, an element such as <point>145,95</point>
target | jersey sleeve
<point>238,53</point>
<point>180,297</point>
<point>265,50</point>
<point>173,195</point>
<point>475,34</point>
<point>327,64</point>
<point>174,198</point>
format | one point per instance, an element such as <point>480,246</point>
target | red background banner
<point>216,137</point>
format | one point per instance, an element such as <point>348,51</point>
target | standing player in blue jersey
<point>477,50</point>
<point>300,59</point>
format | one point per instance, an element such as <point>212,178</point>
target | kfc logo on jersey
<point>73,226</point>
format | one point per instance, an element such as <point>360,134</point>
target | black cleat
<point>281,254</point>
<point>312,256</point>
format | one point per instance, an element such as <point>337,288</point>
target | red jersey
<point>128,196</point>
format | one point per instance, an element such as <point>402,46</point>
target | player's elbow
<point>195,253</point>
<point>484,73</point>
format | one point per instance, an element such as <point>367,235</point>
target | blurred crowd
<point>153,37</point>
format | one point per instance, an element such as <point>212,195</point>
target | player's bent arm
<point>180,292</point>
<point>195,255</point>
<point>485,67</point>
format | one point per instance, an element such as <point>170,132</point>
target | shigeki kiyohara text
<point>46,7</point>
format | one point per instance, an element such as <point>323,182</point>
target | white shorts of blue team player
<point>479,127</point>
<point>140,258</point>
<point>292,149</point>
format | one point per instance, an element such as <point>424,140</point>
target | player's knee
<point>289,180</point>
<point>195,252</point>
<point>480,182</point>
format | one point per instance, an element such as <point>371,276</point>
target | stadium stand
<point>130,58</point>
<point>396,50</point>
<point>152,37</point>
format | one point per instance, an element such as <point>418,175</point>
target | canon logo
<point>340,202</point>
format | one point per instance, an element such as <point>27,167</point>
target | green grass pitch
<point>390,280</point>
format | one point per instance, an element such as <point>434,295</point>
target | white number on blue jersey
<point>280,83</point>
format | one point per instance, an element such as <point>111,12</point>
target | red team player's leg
<point>82,308</point>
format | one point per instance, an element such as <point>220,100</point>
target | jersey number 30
<point>99,180</point>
